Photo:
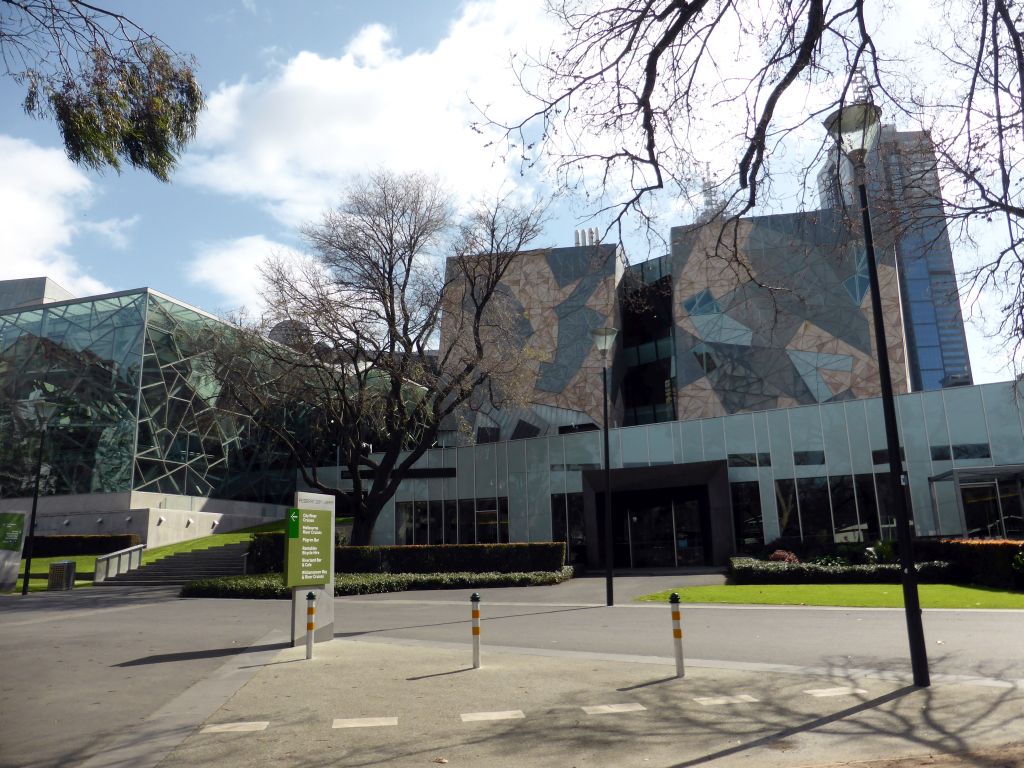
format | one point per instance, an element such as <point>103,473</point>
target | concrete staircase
<point>184,567</point>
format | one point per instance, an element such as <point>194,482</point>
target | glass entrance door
<point>651,534</point>
<point>659,528</point>
<point>981,511</point>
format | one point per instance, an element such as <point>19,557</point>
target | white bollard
<point>475,602</point>
<point>677,634</point>
<point>310,623</point>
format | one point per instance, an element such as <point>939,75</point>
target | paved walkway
<point>361,703</point>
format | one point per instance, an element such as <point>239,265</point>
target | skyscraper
<point>906,206</point>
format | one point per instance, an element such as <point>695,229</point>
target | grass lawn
<point>85,564</point>
<point>220,539</point>
<point>851,595</point>
<point>40,576</point>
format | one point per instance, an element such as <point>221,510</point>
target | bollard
<point>310,623</point>
<point>677,634</point>
<point>475,602</point>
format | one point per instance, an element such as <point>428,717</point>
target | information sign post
<point>309,563</point>
<point>12,538</point>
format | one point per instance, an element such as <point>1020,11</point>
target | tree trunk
<point>362,527</point>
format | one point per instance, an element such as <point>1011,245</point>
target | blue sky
<point>301,96</point>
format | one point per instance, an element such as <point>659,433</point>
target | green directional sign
<point>310,544</point>
<point>12,528</point>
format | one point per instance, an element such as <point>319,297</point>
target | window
<point>809,458</point>
<point>746,515</point>
<point>559,526</point>
<point>815,514</point>
<point>403,522</point>
<point>436,524</point>
<point>881,456</point>
<point>451,522</point>
<point>867,506</point>
<point>467,522</point>
<point>742,460</point>
<point>764,459</point>
<point>487,435</point>
<point>971,451</point>
<point>847,528</point>
<point>422,524</point>
<point>486,521</point>
<point>785,504</point>
<point>941,453</point>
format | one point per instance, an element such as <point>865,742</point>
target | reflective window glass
<point>815,515</point>
<point>746,510</point>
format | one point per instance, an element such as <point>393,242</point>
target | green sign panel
<point>12,528</point>
<point>310,546</point>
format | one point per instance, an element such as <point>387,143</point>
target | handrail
<point>116,563</point>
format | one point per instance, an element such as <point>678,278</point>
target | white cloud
<point>41,194</point>
<point>231,269</point>
<point>292,140</point>
<point>115,231</point>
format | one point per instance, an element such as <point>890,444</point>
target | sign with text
<point>12,538</point>
<point>310,546</point>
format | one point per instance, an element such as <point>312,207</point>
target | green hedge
<point>270,586</point>
<point>266,554</point>
<point>83,544</point>
<point>976,561</point>
<point>747,570</point>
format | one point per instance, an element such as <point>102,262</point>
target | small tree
<point>357,375</point>
<point>117,92</point>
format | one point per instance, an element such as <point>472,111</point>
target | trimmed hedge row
<point>83,544</point>
<point>747,570</point>
<point>976,561</point>
<point>266,554</point>
<point>270,586</point>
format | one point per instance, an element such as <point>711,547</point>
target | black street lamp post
<point>855,128</point>
<point>37,412</point>
<point>604,338</point>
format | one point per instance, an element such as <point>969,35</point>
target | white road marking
<point>709,701</point>
<point>364,722</point>
<point>474,717</point>
<point>824,692</point>
<point>610,709</point>
<point>257,725</point>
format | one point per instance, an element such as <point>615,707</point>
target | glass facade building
<point>137,409</point>
<point>695,492</point>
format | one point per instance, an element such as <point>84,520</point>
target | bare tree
<point>638,95</point>
<point>117,92</point>
<point>359,375</point>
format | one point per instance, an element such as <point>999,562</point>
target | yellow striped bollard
<point>475,602</point>
<point>310,623</point>
<point>677,634</point>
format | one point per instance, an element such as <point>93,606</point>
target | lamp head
<point>855,128</point>
<point>604,339</point>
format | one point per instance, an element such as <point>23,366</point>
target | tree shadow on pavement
<point>207,653</point>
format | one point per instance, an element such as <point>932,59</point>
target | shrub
<point>83,544</point>
<point>976,561</point>
<point>829,560</point>
<point>270,586</point>
<point>783,556</point>
<point>266,554</point>
<point>746,570</point>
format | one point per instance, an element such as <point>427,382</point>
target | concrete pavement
<point>361,703</point>
<point>117,678</point>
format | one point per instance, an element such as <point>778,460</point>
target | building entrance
<point>659,528</point>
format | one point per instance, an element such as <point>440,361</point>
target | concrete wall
<point>158,519</point>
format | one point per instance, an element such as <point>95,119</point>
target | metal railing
<point>116,563</point>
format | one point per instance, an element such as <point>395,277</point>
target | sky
<point>300,97</point>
